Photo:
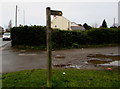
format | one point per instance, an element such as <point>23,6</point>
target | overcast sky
<point>79,11</point>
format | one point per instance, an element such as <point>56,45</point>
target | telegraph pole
<point>114,22</point>
<point>49,52</point>
<point>24,17</point>
<point>16,16</point>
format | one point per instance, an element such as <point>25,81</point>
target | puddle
<point>114,63</point>
<point>114,57</point>
<point>98,61</point>
<point>104,59</point>
<point>59,56</point>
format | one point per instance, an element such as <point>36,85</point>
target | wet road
<point>16,60</point>
<point>3,43</point>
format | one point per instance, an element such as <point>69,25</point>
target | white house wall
<point>61,22</point>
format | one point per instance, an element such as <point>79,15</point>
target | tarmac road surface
<point>13,60</point>
<point>16,60</point>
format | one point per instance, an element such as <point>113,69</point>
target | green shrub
<point>75,45</point>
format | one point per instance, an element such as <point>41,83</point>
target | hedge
<point>30,36</point>
<point>36,36</point>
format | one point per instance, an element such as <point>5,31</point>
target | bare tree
<point>10,24</point>
<point>95,25</point>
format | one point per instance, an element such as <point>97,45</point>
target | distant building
<point>1,29</point>
<point>115,25</point>
<point>62,23</point>
<point>75,26</point>
<point>119,13</point>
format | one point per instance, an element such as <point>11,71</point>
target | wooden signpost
<point>49,45</point>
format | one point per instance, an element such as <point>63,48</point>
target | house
<point>75,26</point>
<point>62,23</point>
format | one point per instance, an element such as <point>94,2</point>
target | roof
<point>77,28</point>
<point>58,17</point>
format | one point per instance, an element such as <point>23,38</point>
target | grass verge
<point>62,78</point>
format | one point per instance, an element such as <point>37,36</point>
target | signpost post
<point>49,52</point>
<point>49,45</point>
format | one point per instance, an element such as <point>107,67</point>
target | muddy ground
<point>16,60</point>
<point>78,58</point>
